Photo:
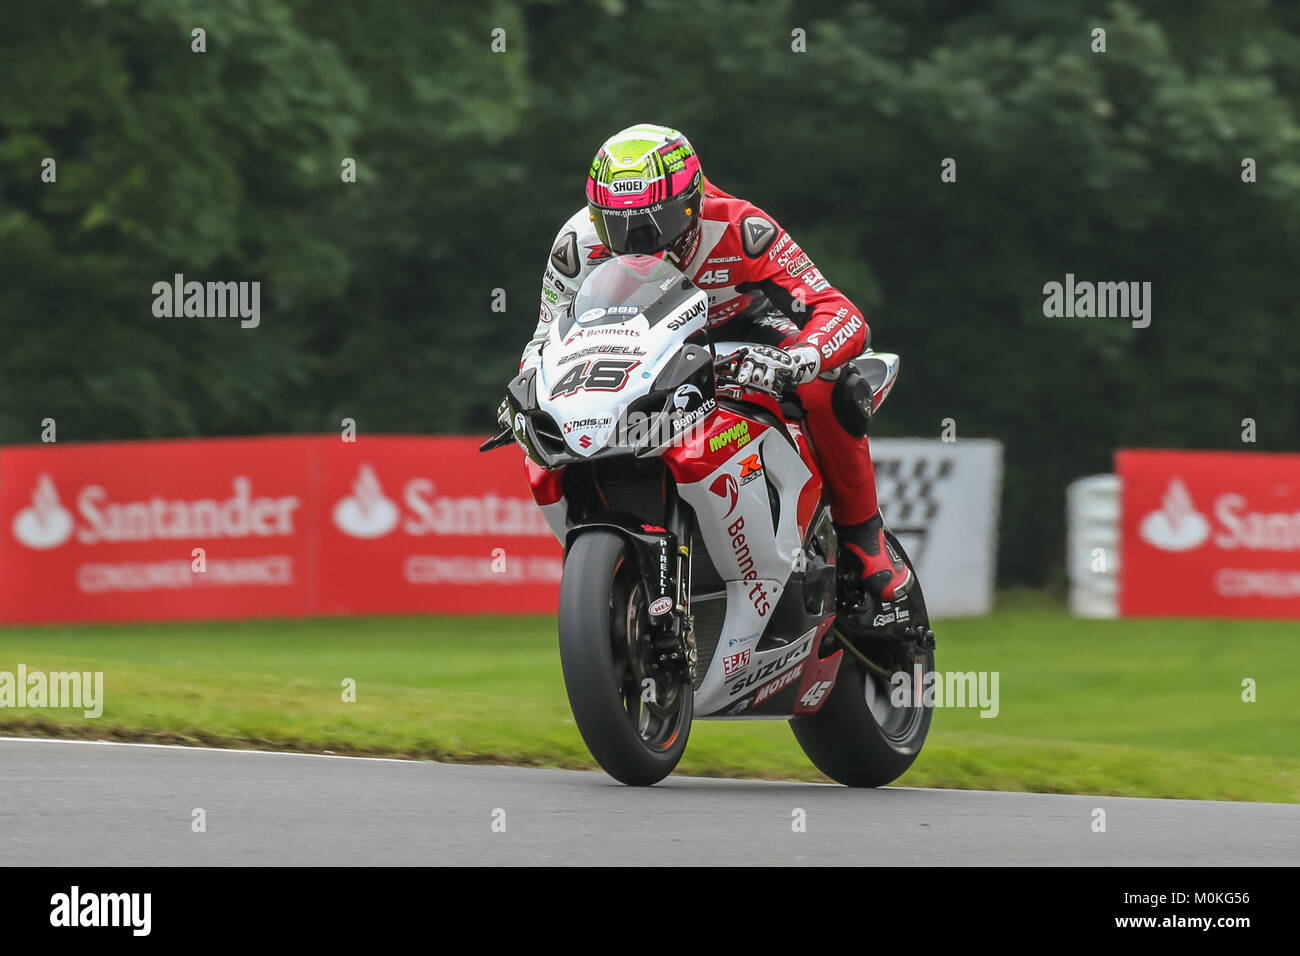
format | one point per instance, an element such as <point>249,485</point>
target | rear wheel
<point>634,717</point>
<point>870,730</point>
<point>859,737</point>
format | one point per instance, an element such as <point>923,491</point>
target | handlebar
<point>499,441</point>
<point>728,367</point>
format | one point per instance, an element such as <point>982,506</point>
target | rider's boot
<point>883,571</point>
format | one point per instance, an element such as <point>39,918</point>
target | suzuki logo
<point>1176,525</point>
<point>585,441</point>
<point>842,336</point>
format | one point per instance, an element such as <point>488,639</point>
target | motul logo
<point>782,682</point>
<point>45,523</point>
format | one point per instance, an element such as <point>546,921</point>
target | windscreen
<point>624,287</point>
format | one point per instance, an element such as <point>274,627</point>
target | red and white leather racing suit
<point>750,267</point>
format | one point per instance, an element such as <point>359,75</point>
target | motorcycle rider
<point>646,194</point>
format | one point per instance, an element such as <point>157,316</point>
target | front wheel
<point>633,717</point>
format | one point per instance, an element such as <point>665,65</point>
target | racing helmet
<point>644,191</point>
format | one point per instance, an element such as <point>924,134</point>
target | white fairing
<point>557,515</point>
<point>606,354</point>
<point>754,559</point>
<point>619,353</point>
<point>889,365</point>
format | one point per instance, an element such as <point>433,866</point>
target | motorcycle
<point>702,575</point>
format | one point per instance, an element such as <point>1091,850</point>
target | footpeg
<point>919,635</point>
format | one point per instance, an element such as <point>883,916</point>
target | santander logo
<point>1177,525</point>
<point>97,517</point>
<point>45,523</point>
<point>101,520</point>
<point>366,513</point>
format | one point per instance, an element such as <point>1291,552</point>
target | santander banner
<point>412,525</point>
<point>235,528</point>
<point>1212,534</point>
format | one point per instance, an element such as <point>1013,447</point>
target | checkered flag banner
<point>941,500</point>
<point>909,497</point>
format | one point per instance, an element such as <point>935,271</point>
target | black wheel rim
<point>901,725</point>
<point>655,702</point>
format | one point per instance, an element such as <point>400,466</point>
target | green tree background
<point>376,295</point>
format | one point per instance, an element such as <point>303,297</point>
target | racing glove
<point>776,371</point>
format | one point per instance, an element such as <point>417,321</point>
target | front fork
<point>663,557</point>
<point>680,523</point>
<point>672,633</point>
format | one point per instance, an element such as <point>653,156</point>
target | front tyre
<point>634,718</point>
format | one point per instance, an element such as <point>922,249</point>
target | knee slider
<point>851,401</point>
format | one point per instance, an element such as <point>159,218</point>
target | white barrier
<point>1092,545</point>
<point>942,501</point>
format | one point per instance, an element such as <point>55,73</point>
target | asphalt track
<point>67,803</point>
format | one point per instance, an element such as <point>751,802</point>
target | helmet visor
<point>647,229</point>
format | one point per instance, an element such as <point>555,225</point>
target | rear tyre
<point>637,731</point>
<point>859,737</point>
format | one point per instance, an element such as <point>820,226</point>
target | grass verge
<point>1131,708</point>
